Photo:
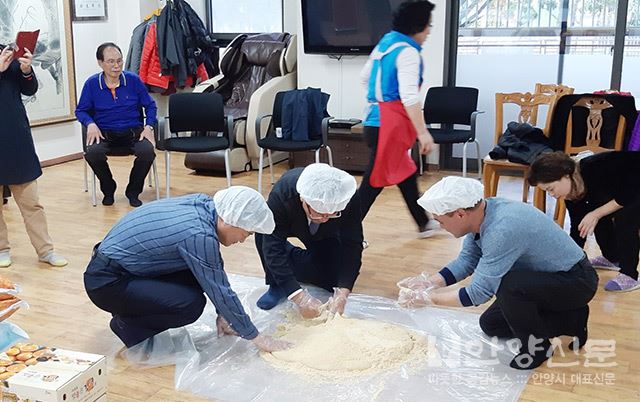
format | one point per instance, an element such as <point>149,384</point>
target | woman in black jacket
<point>602,196</point>
<point>19,164</point>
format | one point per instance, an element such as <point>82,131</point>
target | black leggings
<point>408,188</point>
<point>618,238</point>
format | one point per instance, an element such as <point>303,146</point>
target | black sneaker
<point>108,199</point>
<point>135,202</point>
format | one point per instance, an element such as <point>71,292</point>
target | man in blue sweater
<point>154,266</point>
<point>111,108</point>
<point>541,279</point>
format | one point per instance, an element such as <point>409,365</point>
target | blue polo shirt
<point>120,112</point>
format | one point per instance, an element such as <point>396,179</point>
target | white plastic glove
<point>421,281</point>
<point>415,298</point>
<point>338,301</point>
<point>224,328</point>
<point>270,344</point>
<point>309,306</point>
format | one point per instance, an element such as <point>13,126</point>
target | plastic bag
<point>10,334</point>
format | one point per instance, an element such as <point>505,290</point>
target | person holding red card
<point>19,163</point>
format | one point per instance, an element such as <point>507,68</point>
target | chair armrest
<point>474,117</point>
<point>259,125</point>
<point>325,130</point>
<point>84,137</point>
<point>231,135</point>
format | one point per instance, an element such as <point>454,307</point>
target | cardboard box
<point>52,375</point>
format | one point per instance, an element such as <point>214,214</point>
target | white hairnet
<point>326,189</point>
<point>451,193</point>
<point>245,208</point>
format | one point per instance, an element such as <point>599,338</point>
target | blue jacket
<point>302,114</point>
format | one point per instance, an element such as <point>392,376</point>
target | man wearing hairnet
<point>317,205</point>
<point>152,268</point>
<point>542,280</point>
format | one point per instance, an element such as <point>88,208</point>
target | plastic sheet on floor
<point>469,367</point>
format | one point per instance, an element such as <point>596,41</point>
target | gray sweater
<point>513,236</point>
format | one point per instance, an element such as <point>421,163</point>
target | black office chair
<point>272,142</point>
<point>202,116</point>
<point>453,105</point>
<point>113,152</point>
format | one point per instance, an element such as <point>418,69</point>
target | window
<point>228,18</point>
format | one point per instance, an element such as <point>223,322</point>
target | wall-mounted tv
<point>345,26</point>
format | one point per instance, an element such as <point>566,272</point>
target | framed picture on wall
<point>55,100</point>
<point>89,10</point>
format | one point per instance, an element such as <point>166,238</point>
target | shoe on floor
<point>271,298</point>
<point>108,199</point>
<point>54,259</point>
<point>622,283</point>
<point>526,361</point>
<point>602,263</point>
<point>431,228</point>
<point>5,259</point>
<point>135,202</point>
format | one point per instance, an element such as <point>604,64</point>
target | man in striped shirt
<point>152,268</point>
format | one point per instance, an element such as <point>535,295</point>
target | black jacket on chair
<point>302,114</point>
<point>520,143</point>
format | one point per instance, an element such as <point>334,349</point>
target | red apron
<point>396,136</point>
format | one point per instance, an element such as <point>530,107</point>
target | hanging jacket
<point>302,114</point>
<point>138,36</point>
<point>520,143</point>
<point>151,71</point>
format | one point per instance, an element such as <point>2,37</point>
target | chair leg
<point>317,155</point>
<point>155,179</point>
<point>539,199</point>
<point>227,166</point>
<point>525,188</point>
<point>486,179</point>
<point>149,179</point>
<point>479,159</point>
<point>329,154</point>
<point>464,159</point>
<point>560,212</point>
<point>420,163</point>
<point>93,190</point>
<point>261,161</point>
<point>167,168</point>
<point>273,180</point>
<point>86,179</point>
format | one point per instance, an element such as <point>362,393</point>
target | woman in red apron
<point>394,121</point>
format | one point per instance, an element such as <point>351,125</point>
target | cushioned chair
<point>114,152</point>
<point>201,115</point>
<point>253,70</point>
<point>271,142</point>
<point>453,105</point>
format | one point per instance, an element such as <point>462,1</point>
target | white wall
<point>341,78</point>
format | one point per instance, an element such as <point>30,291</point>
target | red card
<point>26,39</point>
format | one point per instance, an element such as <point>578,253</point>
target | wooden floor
<point>61,315</point>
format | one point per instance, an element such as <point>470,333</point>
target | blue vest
<point>383,81</point>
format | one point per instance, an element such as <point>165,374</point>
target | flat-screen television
<point>345,26</point>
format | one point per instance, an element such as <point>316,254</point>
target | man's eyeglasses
<point>317,216</point>
<point>113,62</point>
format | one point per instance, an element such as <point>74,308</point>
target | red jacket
<point>150,70</point>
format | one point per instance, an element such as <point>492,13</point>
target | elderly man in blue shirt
<point>153,268</point>
<point>541,279</point>
<point>111,107</point>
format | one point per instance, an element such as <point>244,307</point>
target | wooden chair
<point>595,106</point>
<point>558,90</point>
<point>528,104</point>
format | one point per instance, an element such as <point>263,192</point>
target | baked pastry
<point>13,351</point>
<point>29,347</point>
<point>24,356</point>
<point>17,367</point>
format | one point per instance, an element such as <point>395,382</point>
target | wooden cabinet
<point>350,152</point>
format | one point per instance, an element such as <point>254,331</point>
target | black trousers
<point>408,188</point>
<point>143,307</point>
<point>121,143</point>
<point>317,265</point>
<point>618,238</point>
<point>541,304</point>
